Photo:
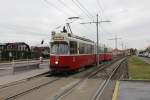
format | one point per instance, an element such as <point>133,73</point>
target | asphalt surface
<point>7,68</point>
<point>145,59</point>
<point>86,90</point>
<point>49,91</point>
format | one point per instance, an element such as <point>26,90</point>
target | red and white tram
<point>70,52</point>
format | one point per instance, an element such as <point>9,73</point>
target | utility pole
<point>122,45</point>
<point>123,51</point>
<point>97,53</point>
<point>116,42</point>
<point>97,22</point>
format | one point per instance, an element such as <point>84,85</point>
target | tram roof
<point>69,35</point>
<point>82,38</point>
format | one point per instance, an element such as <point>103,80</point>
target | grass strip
<point>138,69</point>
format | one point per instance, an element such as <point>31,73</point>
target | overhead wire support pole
<point>122,44</point>
<point>97,53</point>
<point>97,45</point>
<point>116,42</point>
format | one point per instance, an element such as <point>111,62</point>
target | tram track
<point>61,94</point>
<point>31,89</point>
<point>25,86</point>
<point>24,80</point>
<point>102,87</point>
<point>98,92</point>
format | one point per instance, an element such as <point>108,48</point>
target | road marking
<point>115,94</point>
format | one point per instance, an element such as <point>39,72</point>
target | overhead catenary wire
<point>60,10</point>
<point>81,5</point>
<point>91,35</point>
<point>77,5</point>
<point>116,40</point>
<point>100,7</point>
<point>22,35</point>
<point>88,27</point>
<point>65,5</point>
<point>18,30</point>
<point>57,8</point>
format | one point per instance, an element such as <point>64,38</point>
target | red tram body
<point>70,52</point>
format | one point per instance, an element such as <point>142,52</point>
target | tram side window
<point>89,49</point>
<point>92,49</point>
<point>81,48</point>
<point>85,48</point>
<point>73,47</point>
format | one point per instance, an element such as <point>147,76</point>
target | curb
<point>115,94</point>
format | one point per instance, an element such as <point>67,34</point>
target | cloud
<point>28,18</point>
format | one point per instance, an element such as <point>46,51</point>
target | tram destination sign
<point>58,38</point>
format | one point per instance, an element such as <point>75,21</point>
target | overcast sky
<point>33,20</point>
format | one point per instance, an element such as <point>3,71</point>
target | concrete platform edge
<point>137,80</point>
<point>116,90</point>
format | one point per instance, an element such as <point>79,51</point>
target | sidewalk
<point>132,90</point>
<point>23,75</point>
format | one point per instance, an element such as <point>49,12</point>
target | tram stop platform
<point>132,90</point>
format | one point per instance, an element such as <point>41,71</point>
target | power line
<point>116,41</point>
<point>81,9</point>
<point>65,5</point>
<point>97,22</point>
<point>100,7</point>
<point>14,27</point>
<point>122,44</point>
<point>87,28</point>
<point>81,5</point>
<point>54,6</point>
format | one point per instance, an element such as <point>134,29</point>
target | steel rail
<point>102,87</point>
<point>70,89</point>
<point>24,80</point>
<point>65,92</point>
<point>31,89</point>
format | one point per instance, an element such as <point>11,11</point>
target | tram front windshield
<point>59,48</point>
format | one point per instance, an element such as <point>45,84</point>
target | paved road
<point>19,63</point>
<point>7,68</point>
<point>145,59</point>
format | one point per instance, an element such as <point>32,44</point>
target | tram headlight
<point>56,62</point>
